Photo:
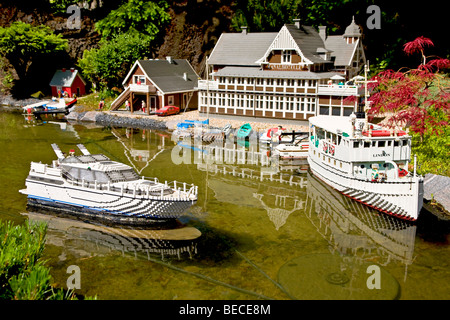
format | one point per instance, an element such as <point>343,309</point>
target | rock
<point>89,116</point>
<point>437,188</point>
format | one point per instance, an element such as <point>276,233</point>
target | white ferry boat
<point>367,163</point>
<point>93,186</point>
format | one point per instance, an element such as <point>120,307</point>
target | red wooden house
<point>67,81</point>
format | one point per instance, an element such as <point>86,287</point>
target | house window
<point>139,79</point>
<point>170,100</point>
<point>287,54</point>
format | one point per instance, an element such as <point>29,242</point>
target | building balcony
<point>338,90</point>
<point>203,84</point>
<point>142,88</point>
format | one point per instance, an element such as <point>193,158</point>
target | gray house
<point>159,83</point>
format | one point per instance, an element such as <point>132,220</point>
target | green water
<point>259,239</point>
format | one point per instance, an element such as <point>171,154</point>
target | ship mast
<point>366,95</point>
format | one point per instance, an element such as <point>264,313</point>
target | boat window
<point>363,166</point>
<point>355,144</point>
<point>381,144</point>
<point>320,133</point>
<point>385,165</point>
<point>374,143</point>
<point>396,143</point>
<point>366,144</point>
<point>389,143</point>
<point>405,142</point>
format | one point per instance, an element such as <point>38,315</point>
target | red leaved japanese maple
<point>419,98</point>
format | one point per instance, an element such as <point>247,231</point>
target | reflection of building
<point>159,83</point>
<point>356,230</point>
<point>141,146</point>
<point>295,73</point>
<point>279,193</point>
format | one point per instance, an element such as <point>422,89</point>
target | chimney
<point>63,69</point>
<point>297,23</point>
<point>185,76</point>
<point>72,69</point>
<point>169,59</point>
<point>323,32</point>
<point>244,29</point>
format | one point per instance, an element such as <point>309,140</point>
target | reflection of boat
<point>177,241</point>
<point>93,186</point>
<point>354,229</point>
<point>360,240</point>
<point>344,153</point>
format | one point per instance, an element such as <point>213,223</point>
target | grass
<point>90,102</point>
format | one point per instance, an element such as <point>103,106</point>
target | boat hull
<point>402,199</point>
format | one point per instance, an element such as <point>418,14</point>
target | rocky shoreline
<point>109,120</point>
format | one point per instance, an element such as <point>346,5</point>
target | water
<point>246,238</point>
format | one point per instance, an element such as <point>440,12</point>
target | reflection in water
<point>177,242</point>
<point>279,193</point>
<point>353,229</point>
<point>358,238</point>
<point>140,153</point>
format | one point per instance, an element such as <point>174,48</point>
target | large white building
<point>295,73</point>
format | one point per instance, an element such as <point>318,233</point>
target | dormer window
<point>139,79</point>
<point>287,55</point>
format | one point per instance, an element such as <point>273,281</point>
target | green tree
<point>106,66</point>
<point>21,43</point>
<point>271,15</point>
<point>145,17</point>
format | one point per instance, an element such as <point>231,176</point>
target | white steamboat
<point>367,163</point>
<point>93,186</point>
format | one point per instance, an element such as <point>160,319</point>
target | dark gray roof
<point>256,72</point>
<point>169,76</point>
<point>63,78</point>
<point>241,49</point>
<point>342,51</point>
<point>308,40</point>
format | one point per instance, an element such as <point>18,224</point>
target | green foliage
<point>21,42</point>
<point>145,17</point>
<point>271,15</point>
<point>6,76</point>
<point>106,66</point>
<point>20,272</point>
<point>23,275</point>
<point>433,153</point>
<point>60,6</point>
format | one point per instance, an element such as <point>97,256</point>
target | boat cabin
<point>352,149</point>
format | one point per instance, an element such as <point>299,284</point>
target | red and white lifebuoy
<point>332,150</point>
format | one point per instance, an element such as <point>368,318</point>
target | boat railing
<point>183,190</point>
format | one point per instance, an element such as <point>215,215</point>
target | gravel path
<point>172,120</point>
